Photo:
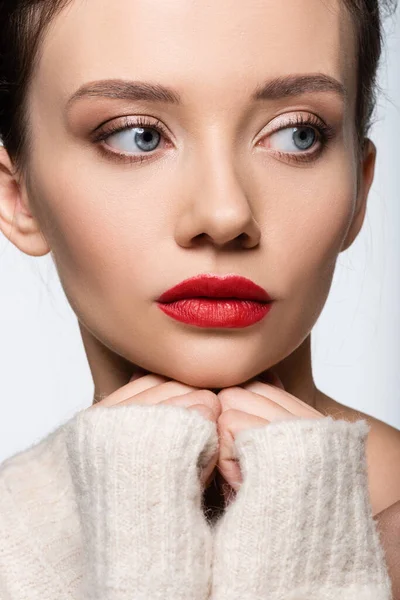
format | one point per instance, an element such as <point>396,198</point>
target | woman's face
<point>225,185</point>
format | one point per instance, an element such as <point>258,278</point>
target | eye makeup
<point>324,133</point>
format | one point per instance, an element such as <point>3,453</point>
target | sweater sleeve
<point>136,471</point>
<point>301,525</point>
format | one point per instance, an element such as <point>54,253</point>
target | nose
<point>217,211</point>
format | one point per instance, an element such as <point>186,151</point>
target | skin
<point>215,197</point>
<point>388,523</point>
<point>254,404</point>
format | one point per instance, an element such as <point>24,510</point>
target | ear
<point>16,221</point>
<point>366,177</point>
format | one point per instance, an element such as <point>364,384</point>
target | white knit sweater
<point>109,507</point>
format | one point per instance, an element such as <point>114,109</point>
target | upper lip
<point>216,286</point>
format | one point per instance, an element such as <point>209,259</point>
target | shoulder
<point>382,452</point>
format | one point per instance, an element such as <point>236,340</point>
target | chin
<point>213,382</point>
<point>206,368</point>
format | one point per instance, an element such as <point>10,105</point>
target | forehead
<point>205,49</point>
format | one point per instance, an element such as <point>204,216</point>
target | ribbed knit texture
<point>136,475</point>
<point>301,525</point>
<point>40,538</point>
<point>108,506</point>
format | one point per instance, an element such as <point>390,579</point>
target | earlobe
<point>16,222</point>
<point>365,182</point>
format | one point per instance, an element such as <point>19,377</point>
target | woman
<point>222,147</point>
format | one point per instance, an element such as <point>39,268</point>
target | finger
<point>139,373</point>
<point>244,400</point>
<point>272,378</point>
<point>228,493</point>
<point>205,411</point>
<point>276,380</point>
<point>131,389</point>
<point>229,424</point>
<point>204,401</point>
<point>152,391</point>
<point>162,392</point>
<point>287,401</point>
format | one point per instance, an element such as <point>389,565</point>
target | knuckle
<point>174,386</point>
<point>224,394</point>
<point>206,396</point>
<point>227,416</point>
<point>227,394</point>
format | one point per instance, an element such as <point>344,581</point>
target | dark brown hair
<point>23,25</point>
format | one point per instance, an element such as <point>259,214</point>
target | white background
<point>44,375</point>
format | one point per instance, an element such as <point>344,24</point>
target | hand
<point>255,404</point>
<point>297,486</point>
<point>155,389</point>
<point>388,524</point>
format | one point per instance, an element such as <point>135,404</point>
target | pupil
<point>304,138</point>
<point>146,139</point>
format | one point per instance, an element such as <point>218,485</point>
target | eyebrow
<point>273,89</point>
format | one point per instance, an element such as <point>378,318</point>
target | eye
<point>132,140</point>
<point>145,139</point>
<point>291,139</point>
<point>301,138</point>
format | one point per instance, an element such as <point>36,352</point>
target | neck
<point>295,372</point>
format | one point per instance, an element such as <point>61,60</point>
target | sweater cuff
<point>136,473</point>
<point>301,526</point>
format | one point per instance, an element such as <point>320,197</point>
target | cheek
<point>307,224</point>
<point>303,232</point>
<point>105,232</point>
<point>106,228</point>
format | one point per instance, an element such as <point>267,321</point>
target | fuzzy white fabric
<point>109,507</point>
<point>301,526</point>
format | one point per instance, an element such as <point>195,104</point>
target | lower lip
<point>207,312</point>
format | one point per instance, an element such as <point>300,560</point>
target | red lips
<point>216,286</point>
<point>213,301</point>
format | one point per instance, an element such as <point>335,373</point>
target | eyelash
<point>325,133</point>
